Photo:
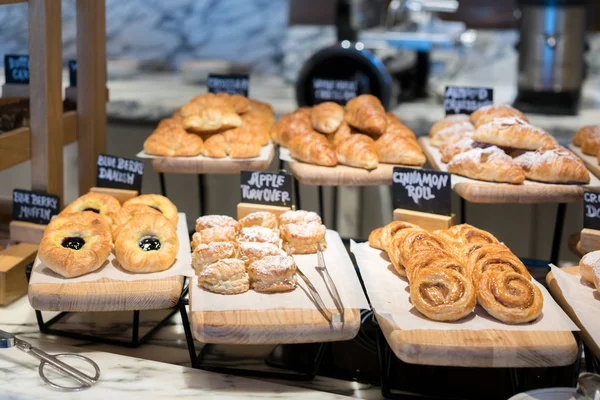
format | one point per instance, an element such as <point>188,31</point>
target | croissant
<point>204,101</point>
<point>396,127</point>
<point>451,133</point>
<point>553,165</point>
<point>173,142</point>
<point>215,146</point>
<point>442,294</point>
<point>585,132</point>
<point>509,296</point>
<point>487,114</point>
<point>240,104</point>
<point>397,149</point>
<point>327,117</point>
<point>375,239</point>
<point>342,132</point>
<point>212,119</point>
<point>590,145</point>
<point>366,114</point>
<point>291,125</point>
<point>513,132</point>
<point>489,164</point>
<point>313,148</point>
<point>448,121</point>
<point>451,148</point>
<point>357,150</point>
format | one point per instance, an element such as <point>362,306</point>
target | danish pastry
<point>298,216</point>
<point>123,216</point>
<point>99,203</point>
<point>148,243</point>
<point>442,294</point>
<point>209,253</point>
<point>587,264</point>
<point>73,249</point>
<point>158,202</point>
<point>259,234</point>
<point>216,234</point>
<point>509,296</point>
<point>227,276</point>
<point>83,217</point>
<point>213,221</point>
<point>273,274</point>
<point>261,218</point>
<point>304,238</point>
<point>252,251</point>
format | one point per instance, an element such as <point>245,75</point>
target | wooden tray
<point>590,162</point>
<point>184,165</point>
<point>460,348</point>
<point>557,294</point>
<point>342,175</point>
<point>500,193</point>
<point>277,326</point>
<point>107,295</point>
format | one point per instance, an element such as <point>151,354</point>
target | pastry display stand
<point>106,295</point>
<point>305,329</point>
<point>590,347</point>
<point>205,165</point>
<point>50,128</point>
<point>503,193</point>
<point>461,348</point>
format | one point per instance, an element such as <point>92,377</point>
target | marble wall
<point>167,32</point>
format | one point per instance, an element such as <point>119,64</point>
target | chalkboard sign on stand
<point>264,191</point>
<point>590,234</point>
<point>32,211</point>
<point>232,84</point>
<point>336,90</point>
<point>465,100</point>
<point>16,68</point>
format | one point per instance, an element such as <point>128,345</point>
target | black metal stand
<point>163,185</point>
<point>201,190</point>
<point>198,360</point>
<point>297,200</point>
<point>321,204</point>
<point>592,364</point>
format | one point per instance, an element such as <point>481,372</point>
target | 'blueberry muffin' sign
<point>35,207</point>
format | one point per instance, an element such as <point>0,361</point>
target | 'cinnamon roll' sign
<point>119,173</point>
<point>266,188</point>
<point>422,190</point>
<point>591,210</point>
<point>465,100</point>
<point>35,207</point>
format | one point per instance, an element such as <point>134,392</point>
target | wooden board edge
<point>425,146</point>
<point>521,194</point>
<point>591,162</point>
<point>13,261</point>
<point>28,232</point>
<point>428,221</point>
<point>244,209</point>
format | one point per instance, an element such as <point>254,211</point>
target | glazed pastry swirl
<point>436,258</point>
<point>509,296</point>
<point>442,294</point>
<point>495,257</point>
<point>419,240</point>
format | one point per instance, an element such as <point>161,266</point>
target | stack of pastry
<point>232,256</point>
<point>214,125</point>
<point>360,135</point>
<point>80,239</point>
<point>589,268</point>
<point>450,271</point>
<point>496,143</point>
<point>588,138</point>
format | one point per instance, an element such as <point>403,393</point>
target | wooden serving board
<point>501,193</point>
<point>484,348</point>
<point>205,165</point>
<point>107,295</point>
<point>275,326</point>
<point>558,296</point>
<point>590,162</point>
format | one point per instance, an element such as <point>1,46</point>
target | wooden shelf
<point>3,2</point>
<point>15,146</point>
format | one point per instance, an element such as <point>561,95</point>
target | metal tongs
<point>335,295</point>
<point>8,340</point>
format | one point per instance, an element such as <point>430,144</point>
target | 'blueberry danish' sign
<point>35,207</point>
<point>16,68</point>
<point>231,84</point>
<point>266,188</point>
<point>465,100</point>
<point>119,173</point>
<point>336,90</point>
<point>422,190</point>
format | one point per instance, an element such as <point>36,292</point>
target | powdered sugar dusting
<point>543,156</point>
<point>456,128</point>
<point>474,155</point>
<point>592,259</point>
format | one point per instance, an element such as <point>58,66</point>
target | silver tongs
<point>335,295</point>
<point>85,381</point>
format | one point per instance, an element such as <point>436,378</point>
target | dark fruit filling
<point>149,243</point>
<point>92,210</point>
<point>73,243</point>
<point>156,208</point>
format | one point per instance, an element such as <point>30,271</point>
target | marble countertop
<point>158,369</point>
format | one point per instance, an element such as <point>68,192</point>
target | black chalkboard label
<point>35,207</point>
<point>591,210</point>
<point>16,68</point>
<point>266,188</point>
<point>336,90</point>
<point>465,100</point>
<point>232,84</point>
<point>119,173</point>
<point>422,190</point>
<point>73,73</point>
